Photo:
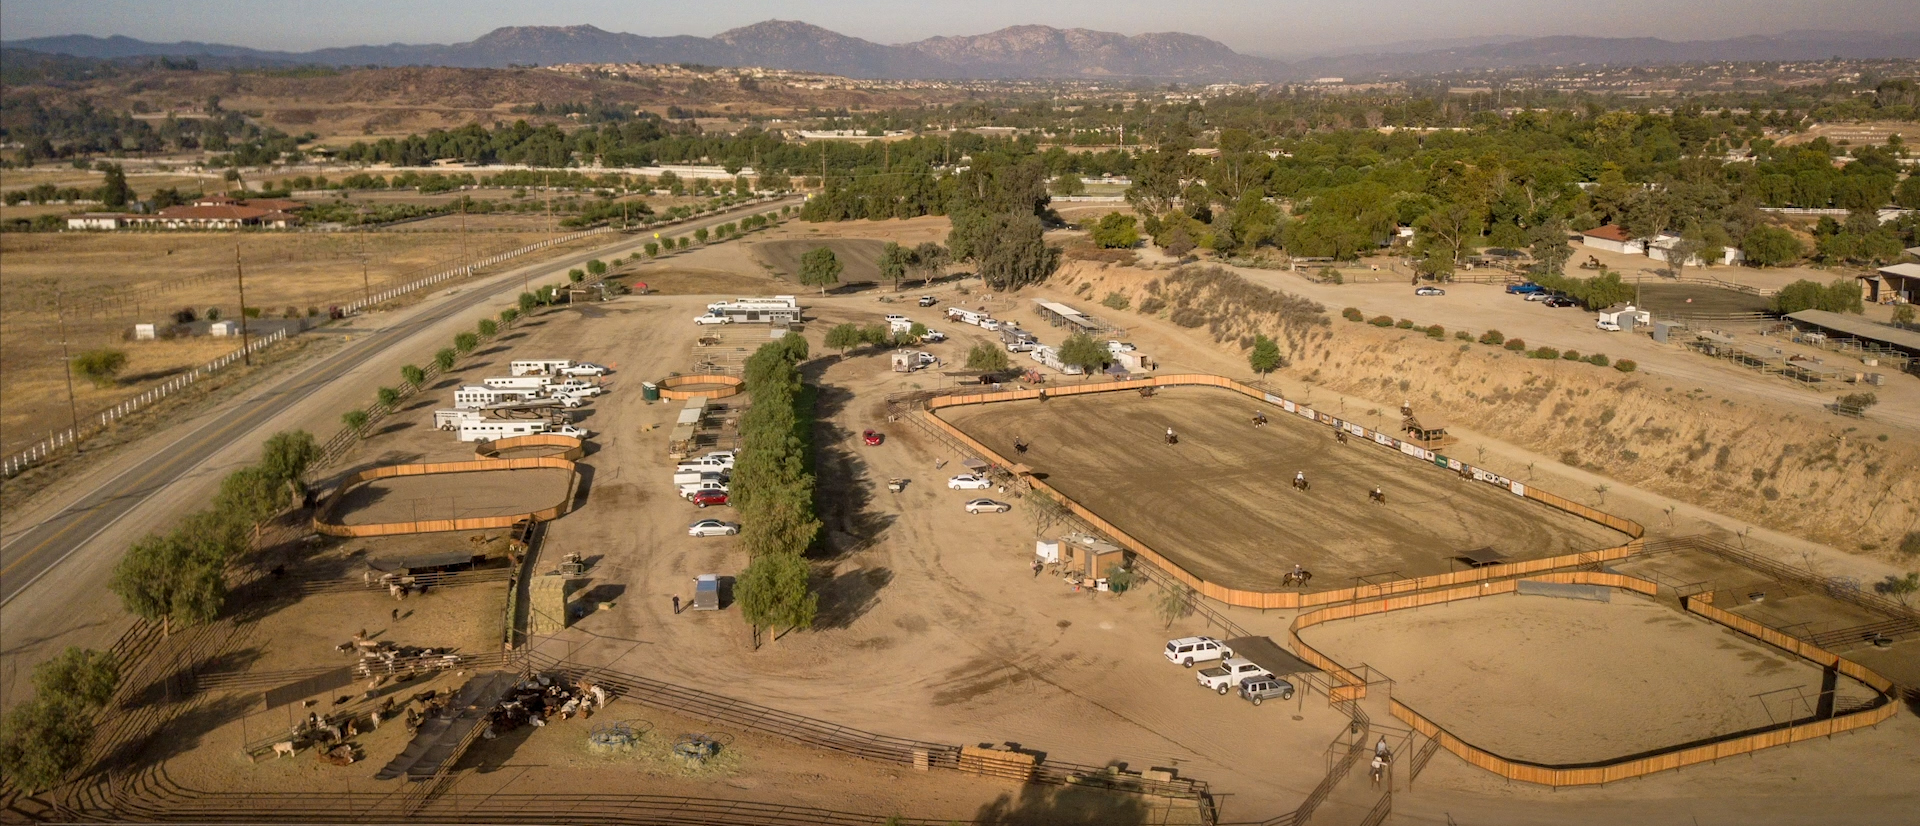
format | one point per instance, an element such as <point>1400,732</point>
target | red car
<point>872,437</point>
<point>703,498</point>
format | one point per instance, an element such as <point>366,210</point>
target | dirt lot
<point>486,493</point>
<point>1221,502</point>
<point>858,257</point>
<point>1571,681</point>
<point>1681,299</point>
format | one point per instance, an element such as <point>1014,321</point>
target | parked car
<point>928,301</point>
<point>1429,291</point>
<point>712,527</point>
<point>987,506</point>
<point>1265,687</point>
<point>1539,296</point>
<point>1524,289</point>
<point>969,481</point>
<point>712,319</point>
<point>1223,677</point>
<point>1189,650</point>
<point>1562,301</point>
<point>872,437</point>
<point>934,337</point>
<point>703,498</point>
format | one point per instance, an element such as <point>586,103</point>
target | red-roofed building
<point>1612,238</point>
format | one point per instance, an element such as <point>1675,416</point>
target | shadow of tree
<point>1039,805</point>
<point>843,494</point>
<point>849,596</point>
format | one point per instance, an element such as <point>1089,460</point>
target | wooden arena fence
<point>1297,599</point>
<point>1677,757</point>
<point>670,387</point>
<point>323,520</point>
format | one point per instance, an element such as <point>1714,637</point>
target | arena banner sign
<point>1416,451</point>
<point>1273,399</point>
<point>1306,413</point>
<point>1384,439</point>
<point>1287,406</point>
<point>1517,488</point>
<point>1356,430</point>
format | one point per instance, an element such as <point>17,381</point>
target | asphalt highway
<point>40,548</point>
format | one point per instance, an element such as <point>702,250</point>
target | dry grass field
<point>1221,503</point>
<point>107,282</point>
<point>859,257</point>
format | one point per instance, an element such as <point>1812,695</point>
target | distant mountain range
<point>1015,52</point>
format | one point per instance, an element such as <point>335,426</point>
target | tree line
<point>773,488</point>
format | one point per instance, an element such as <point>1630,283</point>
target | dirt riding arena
<point>483,493</point>
<point>1628,676</point>
<point>1221,503</point>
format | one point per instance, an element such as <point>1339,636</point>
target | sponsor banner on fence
<point>1287,406</point>
<point>1416,451</point>
<point>1517,488</point>
<point>1384,439</point>
<point>1273,399</point>
<point>1356,430</point>
<point>1305,413</point>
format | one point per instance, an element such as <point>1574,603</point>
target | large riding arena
<point>1222,503</point>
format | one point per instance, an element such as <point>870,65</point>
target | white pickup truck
<point>1227,675</point>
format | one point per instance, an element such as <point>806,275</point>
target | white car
<point>969,481</point>
<point>712,319</point>
<point>1539,296</point>
<point>1189,650</point>
<point>1429,291</point>
<point>712,527</point>
<point>987,506</point>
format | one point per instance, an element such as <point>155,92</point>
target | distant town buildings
<point>206,212</point>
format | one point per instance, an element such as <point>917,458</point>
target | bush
<point>1115,301</point>
<point>1571,355</point>
<point>1436,332</point>
<point>987,357</point>
<point>1858,401</point>
<point>576,275</point>
<point>1381,321</point>
<point>653,249</point>
<point>1492,337</point>
<point>1151,306</point>
<point>413,375</point>
<point>1598,359</point>
<point>102,367</point>
<point>1515,345</point>
<point>1625,365</point>
<point>1353,314</point>
<point>1331,276</point>
<point>1463,335</point>
<point>1545,353</point>
<point>1404,324</point>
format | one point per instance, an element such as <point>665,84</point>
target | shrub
<point>1625,365</point>
<point>1353,314</point>
<point>1115,301</point>
<point>1598,359</point>
<point>987,357</point>
<point>1404,324</point>
<point>1545,353</point>
<point>102,367</point>
<point>1516,345</point>
<point>1571,355</point>
<point>1331,276</point>
<point>1151,306</point>
<point>413,375</point>
<point>597,267</point>
<point>576,275</point>
<point>653,249</point>
<point>1436,332</point>
<point>1858,401</point>
<point>1463,335</point>
<point>1491,337</point>
<point>1381,321</point>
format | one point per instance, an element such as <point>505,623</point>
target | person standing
<point>676,603</point>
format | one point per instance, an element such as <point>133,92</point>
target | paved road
<point>39,548</point>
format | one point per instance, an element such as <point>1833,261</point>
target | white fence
<point>465,270</point>
<point>99,421</point>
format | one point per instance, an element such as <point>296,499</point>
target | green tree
<point>1171,604</point>
<point>819,267</point>
<point>1067,184</point>
<point>487,328</point>
<point>115,193</point>
<point>102,367</point>
<point>1766,246</point>
<point>700,235</point>
<point>388,396</point>
<point>653,249</point>
<point>576,275</point>
<point>681,242</point>
<point>597,267</point>
<point>508,316</point>
<point>85,674</point>
<point>894,262</point>
<point>1903,315</point>
<point>445,357</point>
<point>987,357</point>
<point>43,739</point>
<point>1549,247</point>
<point>1265,357</point>
<point>250,496</point>
<point>288,455</point>
<point>844,337</point>
<point>413,375</point>
<point>180,577</point>
<point>916,331</point>
<point>1009,249</point>
<point>1080,350</point>
<point>773,592</point>
<point>355,420</point>
<point>1116,231</point>
<point>1901,588</point>
<point>931,259</point>
<point>465,342</point>
<point>1842,295</point>
<point>528,301</point>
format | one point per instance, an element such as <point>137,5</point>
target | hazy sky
<point>1274,27</point>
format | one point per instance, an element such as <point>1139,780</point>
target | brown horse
<point>1301,483</point>
<point>1340,436</point>
<point>1296,579</point>
<point>1377,496</point>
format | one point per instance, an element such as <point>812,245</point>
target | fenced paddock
<point>327,519</point>
<point>1783,725</point>
<point>1326,589</point>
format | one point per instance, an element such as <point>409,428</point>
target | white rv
<point>780,309</point>
<point>538,367</point>
<point>530,383</point>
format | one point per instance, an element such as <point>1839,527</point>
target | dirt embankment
<point>1826,479</point>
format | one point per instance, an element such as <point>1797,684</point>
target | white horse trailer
<point>538,367</point>
<point>488,430</point>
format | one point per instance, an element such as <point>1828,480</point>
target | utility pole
<point>549,189</point>
<point>73,408</point>
<point>246,356</point>
<point>366,282</point>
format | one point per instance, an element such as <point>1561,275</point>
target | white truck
<point>982,320</point>
<point>689,489</point>
<point>899,323</point>
<point>1017,340</point>
<point>575,387</point>
<point>704,464</point>
<point>688,477</point>
<point>1226,676</point>
<point>582,369</point>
